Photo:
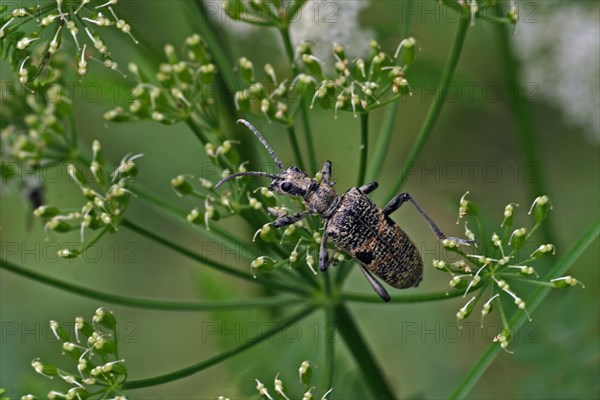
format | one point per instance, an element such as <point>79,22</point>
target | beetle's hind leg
<point>375,284</point>
<point>369,187</point>
<point>402,198</point>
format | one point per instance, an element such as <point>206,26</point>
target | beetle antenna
<point>263,141</point>
<point>248,173</point>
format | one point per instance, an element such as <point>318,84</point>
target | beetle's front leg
<point>323,254</point>
<point>290,219</point>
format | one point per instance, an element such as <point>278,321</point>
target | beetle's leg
<point>290,219</point>
<point>397,201</point>
<point>326,173</point>
<point>375,284</point>
<point>323,254</point>
<point>369,187</point>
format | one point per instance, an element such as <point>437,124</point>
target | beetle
<point>352,222</point>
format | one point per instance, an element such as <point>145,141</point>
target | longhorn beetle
<point>353,222</point>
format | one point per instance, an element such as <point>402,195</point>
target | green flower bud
<point>517,239</point>
<point>270,72</point>
<point>304,48</point>
<point>68,254</point>
<point>58,331</point>
<point>542,250</point>
<point>305,373</point>
<point>338,50</point>
<point>242,100</point>
<point>267,234</point>
<point>58,224</point>
<point>466,310</point>
<point>246,70</point>
<point>208,73</point>
<point>105,318</point>
<point>566,281</point>
<point>195,217</point>
<point>508,215</point>
<point>406,52</point>
<point>262,264</point>
<point>540,208</point>
<point>44,369</point>
<point>181,186</point>
<point>83,327</point>
<point>46,212</point>
<point>313,64</point>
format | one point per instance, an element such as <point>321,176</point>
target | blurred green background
<point>474,147</point>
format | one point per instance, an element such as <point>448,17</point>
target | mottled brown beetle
<point>352,222</point>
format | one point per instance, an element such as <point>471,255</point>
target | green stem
<point>216,233</point>
<point>365,360</point>
<point>310,147</point>
<point>329,337</point>
<point>199,133</point>
<point>523,117</point>
<point>485,360</point>
<point>295,147</point>
<point>195,368</point>
<point>436,106</point>
<point>221,305</point>
<point>364,148</point>
<point>383,143</point>
<point>216,46</point>
<point>406,298</point>
<point>208,262</point>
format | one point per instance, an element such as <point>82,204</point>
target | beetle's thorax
<point>322,199</point>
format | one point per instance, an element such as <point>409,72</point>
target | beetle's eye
<point>295,169</point>
<point>286,186</point>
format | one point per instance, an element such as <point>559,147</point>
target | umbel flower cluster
<point>33,131</point>
<point>279,391</point>
<point>107,195</point>
<point>507,257</point>
<point>359,85</point>
<point>31,36</point>
<point>98,370</point>
<point>182,88</point>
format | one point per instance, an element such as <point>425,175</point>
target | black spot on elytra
<point>364,256</point>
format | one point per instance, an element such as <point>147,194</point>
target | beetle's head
<point>293,181</point>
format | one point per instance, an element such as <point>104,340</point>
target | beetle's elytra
<point>352,222</point>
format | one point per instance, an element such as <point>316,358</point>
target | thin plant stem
<point>359,349</point>
<point>310,147</point>
<point>329,337</point>
<point>406,298</point>
<point>295,147</point>
<point>208,262</point>
<point>216,46</point>
<point>383,143</point>
<point>387,128</point>
<point>363,149</point>
<point>523,118</point>
<point>518,318</point>
<point>195,368</point>
<point>149,304</point>
<point>436,106</point>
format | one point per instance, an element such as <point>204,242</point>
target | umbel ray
<point>352,222</point>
